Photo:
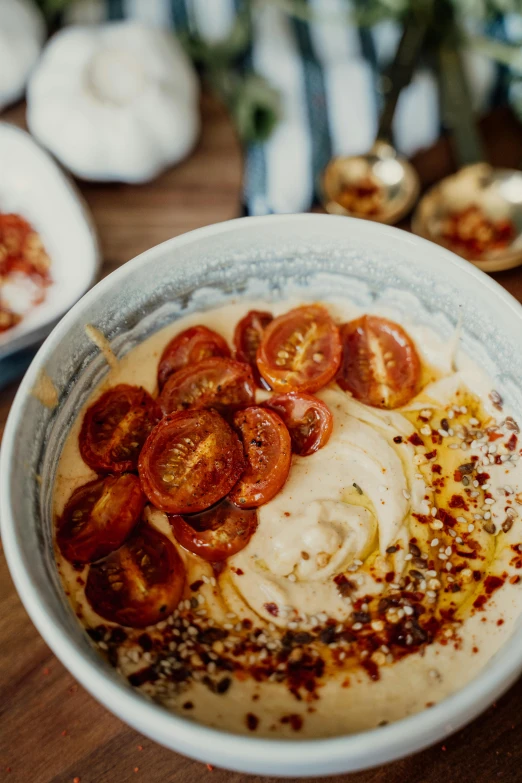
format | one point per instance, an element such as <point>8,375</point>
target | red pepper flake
<point>444,748</point>
<point>238,571</point>
<point>514,580</point>
<point>500,622</point>
<point>272,609</point>
<point>494,436</point>
<point>295,721</point>
<point>64,733</point>
<point>371,669</point>
<point>482,478</point>
<point>479,602</point>
<point>252,721</point>
<point>492,583</point>
<point>512,443</point>
<point>431,454</point>
<point>8,769</point>
<point>140,747</point>
<point>76,780</point>
<point>457,501</point>
<point>436,468</point>
<point>457,476</point>
<point>415,440</point>
<point>210,767</point>
<point>136,769</point>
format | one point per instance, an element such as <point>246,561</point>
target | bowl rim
<point>299,757</point>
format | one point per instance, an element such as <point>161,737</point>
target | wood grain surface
<point>51,730</point>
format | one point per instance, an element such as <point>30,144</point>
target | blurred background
<point>167,115</point>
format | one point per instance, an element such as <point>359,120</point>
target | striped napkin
<point>326,71</point>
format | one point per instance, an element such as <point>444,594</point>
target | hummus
<point>380,579</point>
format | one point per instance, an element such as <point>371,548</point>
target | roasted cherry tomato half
<point>380,365</point>
<point>190,461</point>
<point>217,383</point>
<point>139,584</point>
<point>268,450</point>
<point>98,517</point>
<point>115,428</point>
<point>189,347</point>
<point>308,419</point>
<point>300,350</point>
<point>247,338</point>
<point>217,533</point>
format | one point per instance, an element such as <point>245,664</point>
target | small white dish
<point>33,186</point>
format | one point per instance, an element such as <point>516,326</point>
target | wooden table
<point>50,728</point>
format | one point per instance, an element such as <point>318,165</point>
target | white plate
<point>33,186</point>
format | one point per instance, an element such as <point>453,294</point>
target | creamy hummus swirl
<point>341,506</point>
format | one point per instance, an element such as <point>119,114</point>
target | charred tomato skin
<point>268,451</point>
<point>140,583</point>
<point>380,364</point>
<point>115,427</point>
<point>247,338</point>
<point>300,350</point>
<point>190,460</point>
<point>188,348</point>
<point>222,384</point>
<point>98,517</point>
<point>308,419</point>
<point>217,533</point>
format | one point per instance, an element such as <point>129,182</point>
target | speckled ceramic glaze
<point>310,256</point>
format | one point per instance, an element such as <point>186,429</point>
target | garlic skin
<point>22,33</point>
<point>115,102</point>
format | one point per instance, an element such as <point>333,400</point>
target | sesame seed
<point>228,626</point>
<point>378,625</point>
<point>291,577</point>
<point>431,593</point>
<point>425,430</point>
<point>418,475</point>
<point>451,413</point>
<point>431,572</point>
<point>489,501</point>
<point>443,433</point>
<point>443,557</point>
<point>471,527</point>
<point>437,525</point>
<point>487,515</point>
<point>356,626</point>
<point>434,512</point>
<point>448,566</point>
<point>454,446</point>
<point>213,581</point>
<point>448,550</point>
<point>461,519</point>
<point>473,421</point>
<point>434,542</point>
<point>406,494</point>
<point>407,610</point>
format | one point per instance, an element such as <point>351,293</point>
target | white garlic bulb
<point>22,33</point>
<point>114,102</point>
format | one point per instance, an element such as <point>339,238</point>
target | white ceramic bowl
<point>33,186</point>
<point>308,255</point>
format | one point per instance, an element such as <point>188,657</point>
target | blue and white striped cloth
<point>326,72</point>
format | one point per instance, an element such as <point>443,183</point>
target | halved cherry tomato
<point>98,517</point>
<point>247,337</point>
<point>268,450</point>
<point>190,461</point>
<point>217,383</point>
<point>217,533</point>
<point>139,584</point>
<point>307,418</point>
<point>115,428</point>
<point>189,347</point>
<point>300,350</point>
<point>380,365</point>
